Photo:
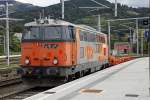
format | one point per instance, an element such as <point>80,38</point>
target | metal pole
<point>43,13</point>
<point>116,8</point>
<point>63,10</point>
<point>130,35</point>
<point>99,22</point>
<point>137,35</point>
<point>7,32</point>
<point>142,44</point>
<point>40,16</point>
<point>4,35</point>
<point>149,49</point>
<point>109,41</point>
<point>149,64</point>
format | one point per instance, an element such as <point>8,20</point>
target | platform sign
<point>146,22</point>
<point>147,35</point>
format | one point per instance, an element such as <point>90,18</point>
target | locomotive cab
<point>48,47</point>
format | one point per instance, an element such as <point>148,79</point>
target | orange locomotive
<point>59,49</point>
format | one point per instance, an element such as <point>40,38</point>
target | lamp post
<point>6,3</point>
<point>137,37</point>
<point>109,41</point>
<point>99,22</point>
<point>149,63</point>
<point>148,39</point>
<point>63,9</point>
<point>116,8</point>
<point>142,48</point>
<point>147,36</point>
<point>7,34</point>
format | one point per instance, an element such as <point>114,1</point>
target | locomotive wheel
<point>103,67</point>
<point>66,79</point>
<point>108,65</point>
<point>77,75</point>
<point>70,78</point>
<point>82,73</point>
<point>89,71</point>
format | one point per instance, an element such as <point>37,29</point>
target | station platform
<point>126,81</point>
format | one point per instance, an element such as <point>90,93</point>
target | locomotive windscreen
<point>48,33</point>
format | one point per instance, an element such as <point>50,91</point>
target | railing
<point>14,59</point>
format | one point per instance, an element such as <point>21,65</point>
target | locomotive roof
<point>53,22</point>
<point>49,22</point>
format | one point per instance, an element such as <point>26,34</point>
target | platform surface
<point>126,81</point>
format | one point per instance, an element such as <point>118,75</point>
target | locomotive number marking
<point>48,46</point>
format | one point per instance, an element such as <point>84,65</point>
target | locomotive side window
<point>81,36</point>
<point>87,36</point>
<point>81,52</point>
<point>71,32</point>
<point>67,35</point>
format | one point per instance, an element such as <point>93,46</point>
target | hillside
<point>76,15</point>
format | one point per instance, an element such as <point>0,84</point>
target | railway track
<point>26,93</point>
<point>11,85</point>
<point>20,91</point>
<point>9,82</point>
<point>14,88</point>
<point>9,76</point>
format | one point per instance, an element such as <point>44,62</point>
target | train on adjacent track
<point>56,49</point>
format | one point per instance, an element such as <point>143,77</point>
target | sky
<point>133,3</point>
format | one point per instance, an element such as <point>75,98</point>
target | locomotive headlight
<point>27,61</point>
<point>55,61</point>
